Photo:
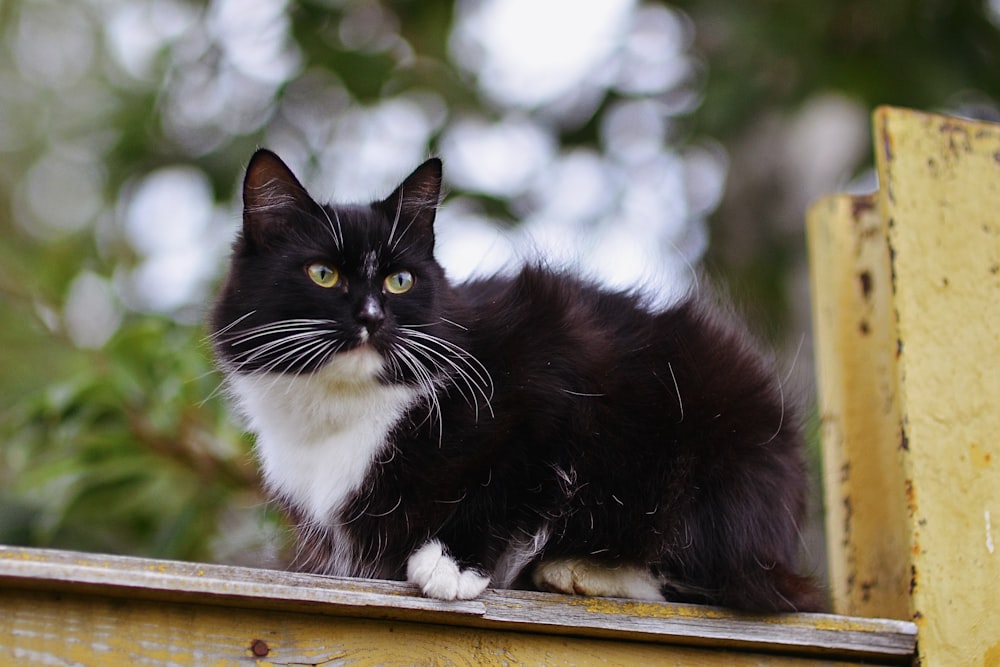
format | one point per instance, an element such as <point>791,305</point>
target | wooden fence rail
<point>62,607</point>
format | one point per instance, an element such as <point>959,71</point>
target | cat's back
<point>549,301</point>
<point>556,337</point>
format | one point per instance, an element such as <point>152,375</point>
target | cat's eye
<point>399,282</point>
<point>323,274</point>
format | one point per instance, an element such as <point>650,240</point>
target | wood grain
<point>83,608</point>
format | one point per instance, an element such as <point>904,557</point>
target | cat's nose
<point>371,315</point>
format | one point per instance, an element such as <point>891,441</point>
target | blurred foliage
<point>123,453</point>
<point>776,54</point>
<point>128,447</point>
<point>772,57</point>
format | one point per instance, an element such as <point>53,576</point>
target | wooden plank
<point>855,342</point>
<point>940,197</point>
<point>117,590</point>
<point>107,632</point>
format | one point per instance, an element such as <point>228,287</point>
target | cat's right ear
<point>416,200</point>
<point>271,195</point>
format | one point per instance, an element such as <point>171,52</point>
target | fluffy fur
<point>514,431</point>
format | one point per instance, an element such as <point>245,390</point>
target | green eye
<point>323,275</point>
<point>399,282</point>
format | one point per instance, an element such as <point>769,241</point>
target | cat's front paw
<point>440,577</point>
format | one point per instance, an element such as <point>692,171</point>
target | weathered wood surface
<point>855,342</point>
<point>907,312</point>
<point>941,204</point>
<point>61,607</point>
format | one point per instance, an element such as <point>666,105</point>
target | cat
<point>529,430</point>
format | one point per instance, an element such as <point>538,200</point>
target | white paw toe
<point>439,576</point>
<point>471,584</point>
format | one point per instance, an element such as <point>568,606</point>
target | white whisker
<point>403,235</point>
<point>426,381</point>
<point>276,348</point>
<point>464,367</point>
<point>214,335</point>
<point>438,360</point>
<point>474,365</point>
<point>270,347</point>
<point>274,327</point>
<point>781,392</point>
<point>680,403</point>
<point>336,231</point>
<point>387,513</point>
<point>395,220</point>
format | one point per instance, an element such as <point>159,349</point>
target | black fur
<point>658,439</point>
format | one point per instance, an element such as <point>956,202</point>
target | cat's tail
<point>772,590</point>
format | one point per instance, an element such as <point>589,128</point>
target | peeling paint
<point>942,178</point>
<point>866,515</point>
<point>989,533</point>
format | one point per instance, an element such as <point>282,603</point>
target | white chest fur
<point>318,434</point>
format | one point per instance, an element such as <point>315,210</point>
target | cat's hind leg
<point>440,577</point>
<point>581,576</point>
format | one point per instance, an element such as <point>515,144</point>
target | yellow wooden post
<point>867,537</point>
<point>932,392</point>
<point>941,203</point>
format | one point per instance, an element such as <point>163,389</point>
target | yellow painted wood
<point>60,607</point>
<point>855,343</point>
<point>109,632</point>
<point>940,198</point>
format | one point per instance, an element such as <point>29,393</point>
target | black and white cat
<point>525,430</point>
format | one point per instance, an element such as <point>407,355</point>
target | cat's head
<point>310,282</point>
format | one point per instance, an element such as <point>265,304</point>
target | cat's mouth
<point>361,363</point>
<point>367,343</point>
<point>370,340</point>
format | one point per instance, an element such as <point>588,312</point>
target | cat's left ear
<point>271,196</point>
<point>414,203</point>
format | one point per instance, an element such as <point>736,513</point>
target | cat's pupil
<point>323,274</point>
<point>399,282</point>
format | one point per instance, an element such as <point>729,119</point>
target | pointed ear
<point>271,194</point>
<point>413,205</point>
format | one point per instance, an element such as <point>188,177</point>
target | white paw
<point>440,577</point>
<point>576,576</point>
